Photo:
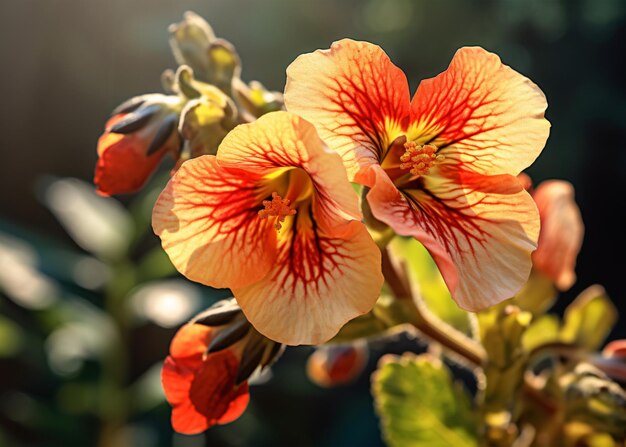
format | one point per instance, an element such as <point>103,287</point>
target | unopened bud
<point>256,99</point>
<point>336,365</point>
<point>214,61</point>
<point>190,40</point>
<point>230,335</point>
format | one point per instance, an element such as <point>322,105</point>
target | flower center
<point>278,208</point>
<point>419,159</point>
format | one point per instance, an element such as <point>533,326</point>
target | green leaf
<point>419,405</point>
<point>155,265</point>
<point>589,319</point>
<point>435,293</point>
<point>12,338</point>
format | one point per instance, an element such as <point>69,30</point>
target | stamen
<point>277,207</point>
<point>419,159</point>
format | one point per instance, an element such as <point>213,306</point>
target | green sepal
<point>588,320</point>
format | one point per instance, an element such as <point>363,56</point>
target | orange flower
<point>441,167</point>
<point>336,365</point>
<point>140,133</point>
<point>274,218</point>
<point>201,387</point>
<point>561,233</point>
<point>205,375</point>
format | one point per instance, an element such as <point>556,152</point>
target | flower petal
<point>482,113</point>
<point>206,397</point>
<point>356,97</point>
<point>480,230</point>
<point>322,278</point>
<point>190,343</point>
<point>207,218</point>
<point>285,140</point>
<point>561,233</point>
<point>201,390</point>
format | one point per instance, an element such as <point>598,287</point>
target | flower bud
<point>205,119</point>
<point>190,39</point>
<point>138,135</point>
<point>255,99</point>
<point>211,358</point>
<point>213,60</point>
<point>334,365</point>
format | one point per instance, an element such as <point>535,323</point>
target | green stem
<point>424,321</point>
<point>114,410</point>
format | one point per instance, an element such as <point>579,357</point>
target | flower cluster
<point>263,200</point>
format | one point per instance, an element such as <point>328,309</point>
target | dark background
<point>67,63</point>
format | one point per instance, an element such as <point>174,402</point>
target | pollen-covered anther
<point>419,159</point>
<point>278,208</point>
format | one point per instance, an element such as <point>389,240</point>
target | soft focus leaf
<point>147,391</point>
<point>544,329</point>
<point>99,225</point>
<point>165,303</point>
<point>155,265</point>
<point>85,332</point>
<point>589,318</point>
<point>537,295</point>
<point>419,405</point>
<point>19,278</point>
<point>11,337</point>
<point>425,273</point>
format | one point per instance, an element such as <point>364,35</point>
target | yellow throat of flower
<point>296,188</point>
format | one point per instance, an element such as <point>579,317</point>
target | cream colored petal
<point>207,218</point>
<point>356,97</point>
<point>482,114</point>
<point>480,230</point>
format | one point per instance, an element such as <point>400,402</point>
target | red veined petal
<point>324,276</point>
<point>284,140</point>
<point>480,230</point>
<point>482,113</point>
<point>207,218</point>
<point>561,233</point>
<point>356,97</point>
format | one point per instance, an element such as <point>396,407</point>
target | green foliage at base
<point>419,405</point>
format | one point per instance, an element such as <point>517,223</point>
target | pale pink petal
<point>561,233</point>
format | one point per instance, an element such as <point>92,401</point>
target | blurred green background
<point>67,63</point>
